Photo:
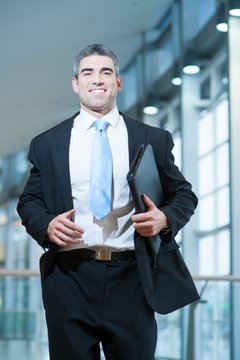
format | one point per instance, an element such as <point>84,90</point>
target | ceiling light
<point>191,62</point>
<point>191,69</point>
<point>223,27</point>
<point>150,110</point>
<point>234,7</point>
<point>177,80</point>
<point>221,18</point>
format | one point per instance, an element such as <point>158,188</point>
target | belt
<point>100,255</point>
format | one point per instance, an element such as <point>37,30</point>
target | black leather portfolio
<point>143,178</point>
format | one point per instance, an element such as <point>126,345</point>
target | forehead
<point>96,62</point>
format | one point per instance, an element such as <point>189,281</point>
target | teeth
<point>98,91</point>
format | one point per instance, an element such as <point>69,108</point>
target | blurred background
<point>180,66</point>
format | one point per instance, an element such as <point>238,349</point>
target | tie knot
<point>101,124</point>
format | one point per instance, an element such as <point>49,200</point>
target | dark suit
<point>48,193</point>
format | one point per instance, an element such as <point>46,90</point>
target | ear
<point>119,83</point>
<point>75,84</point>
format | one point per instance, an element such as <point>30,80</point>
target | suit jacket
<point>47,193</point>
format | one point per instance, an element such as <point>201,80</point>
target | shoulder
<point>153,131</point>
<point>48,134</point>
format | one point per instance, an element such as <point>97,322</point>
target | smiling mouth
<point>97,91</point>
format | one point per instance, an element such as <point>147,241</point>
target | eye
<point>107,72</point>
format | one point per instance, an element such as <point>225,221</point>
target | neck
<point>97,114</point>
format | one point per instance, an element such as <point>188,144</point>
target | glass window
<point>222,76</point>
<point>222,165</point>
<point>206,254</point>
<point>3,234</point>
<point>222,127</point>
<point>214,235</point>
<point>177,150</point>
<point>163,55</point>
<point>223,252</point>
<point>214,253</point>
<point>128,99</point>
<point>214,209</point>
<point>205,134</point>
<point>222,207</point>
<point>20,243</point>
<point>215,322</point>
<point>169,327</point>
<point>1,174</point>
<point>19,168</point>
<point>206,210</point>
<point>206,175</point>
<point>4,179</point>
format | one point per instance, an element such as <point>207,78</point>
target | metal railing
<point>202,280</point>
<point>36,273</point>
<point>19,272</point>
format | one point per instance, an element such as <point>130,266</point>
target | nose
<point>97,78</point>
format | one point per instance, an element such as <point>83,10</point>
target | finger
<point>143,227</point>
<point>69,213</point>
<point>142,231</point>
<point>71,225</point>
<point>147,232</point>
<point>54,239</point>
<point>59,242</point>
<point>147,228</point>
<point>65,238</point>
<point>143,217</point>
<point>148,201</point>
<point>68,232</point>
<point>59,232</point>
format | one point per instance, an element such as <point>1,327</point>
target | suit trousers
<point>93,302</point>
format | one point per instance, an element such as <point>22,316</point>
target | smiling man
<point>97,84</point>
<point>77,204</point>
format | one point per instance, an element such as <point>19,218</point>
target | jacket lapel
<point>137,135</point>
<point>61,145</point>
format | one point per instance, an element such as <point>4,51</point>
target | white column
<point>234,103</point>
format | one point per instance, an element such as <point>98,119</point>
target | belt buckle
<point>103,255</point>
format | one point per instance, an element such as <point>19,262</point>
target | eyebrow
<point>91,69</point>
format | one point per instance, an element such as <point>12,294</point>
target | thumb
<point>147,201</point>
<point>69,213</point>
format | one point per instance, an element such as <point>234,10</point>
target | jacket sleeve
<point>31,206</point>
<point>180,201</point>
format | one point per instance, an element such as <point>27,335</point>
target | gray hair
<point>95,49</point>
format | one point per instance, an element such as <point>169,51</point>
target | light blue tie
<point>100,191</point>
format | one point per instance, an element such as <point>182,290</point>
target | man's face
<point>97,84</point>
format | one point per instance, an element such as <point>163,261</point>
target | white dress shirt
<point>115,231</point>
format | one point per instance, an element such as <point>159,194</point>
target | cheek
<point>114,89</point>
<point>82,93</point>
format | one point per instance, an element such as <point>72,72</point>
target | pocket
<point>182,263</point>
<point>170,261</point>
<point>46,263</point>
<point>168,246</point>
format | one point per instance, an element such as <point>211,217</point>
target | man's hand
<point>152,221</point>
<point>62,231</point>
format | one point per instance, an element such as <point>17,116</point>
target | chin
<point>102,109</point>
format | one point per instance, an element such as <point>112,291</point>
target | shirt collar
<point>85,120</point>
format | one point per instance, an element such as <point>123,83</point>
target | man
<point>97,279</point>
